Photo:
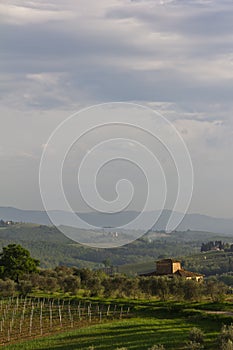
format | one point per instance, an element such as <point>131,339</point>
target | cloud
<point>120,50</point>
<point>31,12</point>
<point>175,56</point>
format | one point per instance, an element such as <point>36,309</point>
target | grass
<point>135,334</point>
<point>151,323</point>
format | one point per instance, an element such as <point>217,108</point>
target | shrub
<point>196,335</point>
<point>7,287</point>
<point>24,287</point>
<point>225,339</point>
<point>193,345</point>
<point>228,345</point>
<point>70,284</point>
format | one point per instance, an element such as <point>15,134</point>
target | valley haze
<point>194,222</point>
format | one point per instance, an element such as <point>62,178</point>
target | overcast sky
<point>176,56</point>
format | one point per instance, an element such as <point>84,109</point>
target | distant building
<point>9,223</point>
<point>167,266</point>
<point>171,268</point>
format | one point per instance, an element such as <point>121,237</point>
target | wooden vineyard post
<point>41,318</point>
<point>108,310</point>
<point>50,315</point>
<point>24,307</point>
<point>70,315</point>
<point>121,312</point>
<point>21,324</point>
<point>79,311</point>
<point>60,316</point>
<point>31,319</point>
<point>22,316</point>
<point>89,312</point>
<point>2,322</point>
<point>13,314</point>
<point>17,303</point>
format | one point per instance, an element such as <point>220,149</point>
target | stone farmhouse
<point>172,268</point>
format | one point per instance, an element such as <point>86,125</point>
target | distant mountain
<point>195,222</point>
<point>27,216</point>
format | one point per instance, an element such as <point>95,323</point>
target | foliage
<point>205,247</point>
<point>196,335</point>
<point>24,287</point>
<point>95,283</point>
<point>192,345</point>
<point>216,290</point>
<point>226,278</point>
<point>70,284</point>
<point>15,261</point>
<point>7,287</point>
<point>225,339</point>
<point>227,345</point>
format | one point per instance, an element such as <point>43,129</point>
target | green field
<point>150,323</point>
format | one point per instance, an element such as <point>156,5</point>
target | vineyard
<point>25,318</point>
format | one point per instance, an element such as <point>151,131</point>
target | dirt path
<point>229,313</point>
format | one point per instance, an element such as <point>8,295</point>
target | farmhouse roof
<point>169,260</point>
<point>185,273</point>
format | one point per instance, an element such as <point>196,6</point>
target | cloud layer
<point>175,56</point>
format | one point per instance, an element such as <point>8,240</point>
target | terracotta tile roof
<point>181,273</point>
<point>168,260</point>
<point>185,273</point>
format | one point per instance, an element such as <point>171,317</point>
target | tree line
<point>97,284</point>
<point>20,273</point>
<point>216,245</point>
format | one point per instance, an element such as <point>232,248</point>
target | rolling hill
<point>194,222</point>
<point>52,248</point>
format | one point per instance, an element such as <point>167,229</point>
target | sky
<point>174,56</point>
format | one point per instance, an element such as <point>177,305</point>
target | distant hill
<point>47,244</point>
<point>52,248</point>
<point>195,222</point>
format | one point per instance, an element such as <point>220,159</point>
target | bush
<point>192,345</point>
<point>196,335</point>
<point>70,284</point>
<point>227,345</point>
<point>24,287</point>
<point>7,288</point>
<point>225,339</point>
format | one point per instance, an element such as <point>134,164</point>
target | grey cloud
<point>177,53</point>
<point>90,58</point>
<point>181,16</point>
